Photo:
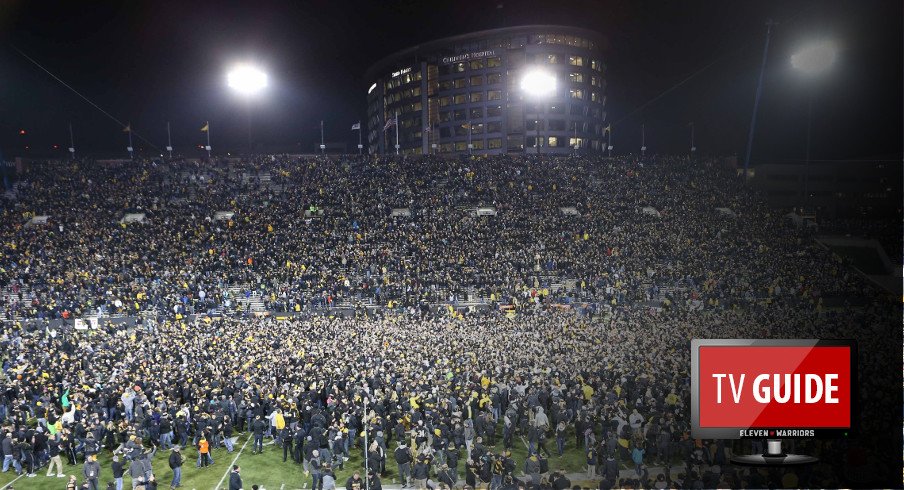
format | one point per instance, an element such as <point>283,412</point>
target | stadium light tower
<point>813,60</point>
<point>538,85</point>
<point>248,82</point>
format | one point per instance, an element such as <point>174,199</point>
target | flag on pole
<point>128,128</point>
<point>206,127</point>
<point>356,126</point>
<point>390,123</point>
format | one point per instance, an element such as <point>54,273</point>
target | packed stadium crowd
<point>444,397</point>
<point>181,259</point>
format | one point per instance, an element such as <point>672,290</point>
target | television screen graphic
<point>772,388</point>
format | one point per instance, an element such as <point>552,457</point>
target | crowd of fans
<point>443,398</point>
<point>180,259</point>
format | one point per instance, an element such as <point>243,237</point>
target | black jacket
<point>402,455</point>
<point>235,481</point>
<point>118,469</point>
<point>175,460</point>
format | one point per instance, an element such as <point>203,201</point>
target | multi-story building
<point>463,94</point>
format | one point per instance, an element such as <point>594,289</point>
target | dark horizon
<point>150,63</point>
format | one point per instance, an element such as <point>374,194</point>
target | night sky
<point>152,62</point>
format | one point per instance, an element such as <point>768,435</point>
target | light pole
<point>366,447</point>
<point>693,148</point>
<point>813,60</point>
<point>538,84</point>
<point>756,99</point>
<point>643,140</point>
<point>247,81</point>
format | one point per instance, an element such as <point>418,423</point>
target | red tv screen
<point>772,388</point>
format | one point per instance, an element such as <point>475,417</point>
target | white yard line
<point>228,468</point>
<point>14,481</point>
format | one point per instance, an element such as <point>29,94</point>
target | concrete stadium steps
<point>8,297</point>
<point>254,302</point>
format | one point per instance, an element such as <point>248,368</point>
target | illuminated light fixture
<point>538,83</point>
<point>371,89</point>
<point>815,58</point>
<point>246,80</point>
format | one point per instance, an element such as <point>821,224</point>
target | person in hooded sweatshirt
<point>136,471</point>
<point>91,471</point>
<point>402,456</point>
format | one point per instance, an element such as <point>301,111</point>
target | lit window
<point>494,78</point>
<point>576,60</point>
<point>552,59</point>
<point>459,99</point>
<point>459,83</point>
<point>494,143</point>
<point>494,95</point>
<point>576,77</point>
<point>576,93</point>
<point>477,80</point>
<point>476,96</point>
<point>494,62</point>
<point>553,141</point>
<point>477,64</point>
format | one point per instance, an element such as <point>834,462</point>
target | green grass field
<point>266,469</point>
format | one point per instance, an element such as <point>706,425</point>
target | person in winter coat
<point>532,469</point>
<point>470,434</point>
<point>91,471</point>
<point>175,463</point>
<point>137,472</point>
<point>420,474</point>
<point>402,456</point>
<point>354,482</point>
<point>118,471</point>
<point>373,481</point>
<point>235,478</point>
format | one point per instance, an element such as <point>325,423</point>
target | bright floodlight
<point>246,80</point>
<point>815,58</point>
<point>538,83</point>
